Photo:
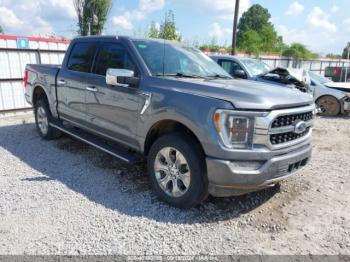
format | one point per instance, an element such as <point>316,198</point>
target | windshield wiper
<point>182,75</point>
<point>220,76</point>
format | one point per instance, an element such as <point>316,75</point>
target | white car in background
<point>332,98</point>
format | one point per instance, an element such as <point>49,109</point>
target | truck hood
<point>245,94</point>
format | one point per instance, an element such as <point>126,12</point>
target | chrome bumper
<point>228,178</point>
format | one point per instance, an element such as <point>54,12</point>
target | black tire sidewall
<point>198,189</point>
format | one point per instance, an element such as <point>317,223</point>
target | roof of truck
<point>113,37</point>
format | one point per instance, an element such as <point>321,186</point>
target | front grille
<point>276,139</point>
<point>288,120</point>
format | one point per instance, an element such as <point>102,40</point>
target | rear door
<point>113,111</point>
<point>72,84</point>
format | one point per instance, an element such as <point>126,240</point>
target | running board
<point>95,141</point>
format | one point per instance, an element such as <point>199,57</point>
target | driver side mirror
<point>239,73</point>
<point>121,77</point>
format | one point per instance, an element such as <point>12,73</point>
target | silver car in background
<point>331,100</point>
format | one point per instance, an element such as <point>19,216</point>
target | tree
<point>168,28</point>
<point>1,30</point>
<point>333,56</point>
<point>256,19</point>
<point>153,30</point>
<point>299,51</point>
<point>250,42</point>
<point>345,53</point>
<point>93,14</point>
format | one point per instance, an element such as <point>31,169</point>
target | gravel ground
<point>64,197</point>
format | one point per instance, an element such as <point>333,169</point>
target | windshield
<point>174,59</point>
<point>318,78</point>
<point>255,67</point>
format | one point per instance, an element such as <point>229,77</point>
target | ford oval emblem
<point>300,127</point>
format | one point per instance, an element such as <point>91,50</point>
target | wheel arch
<point>39,93</point>
<point>167,126</point>
<point>341,108</point>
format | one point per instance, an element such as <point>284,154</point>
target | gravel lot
<point>64,197</point>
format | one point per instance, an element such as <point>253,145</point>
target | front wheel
<point>329,105</point>
<point>177,170</point>
<point>43,118</point>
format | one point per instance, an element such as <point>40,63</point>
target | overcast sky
<point>323,25</point>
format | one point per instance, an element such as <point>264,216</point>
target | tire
<point>188,171</point>
<point>43,118</point>
<point>329,105</point>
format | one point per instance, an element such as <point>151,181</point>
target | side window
<point>113,55</point>
<point>81,57</point>
<point>230,66</point>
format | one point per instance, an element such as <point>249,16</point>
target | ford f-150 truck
<point>202,131</point>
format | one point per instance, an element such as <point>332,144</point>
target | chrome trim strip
<point>266,121</point>
<point>263,128</point>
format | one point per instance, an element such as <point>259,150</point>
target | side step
<point>117,151</point>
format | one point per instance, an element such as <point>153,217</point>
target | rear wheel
<point>43,118</point>
<point>329,105</point>
<point>177,170</point>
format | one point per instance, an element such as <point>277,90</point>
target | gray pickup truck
<point>202,131</point>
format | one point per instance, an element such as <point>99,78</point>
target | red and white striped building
<point>15,53</point>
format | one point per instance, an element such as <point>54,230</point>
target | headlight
<point>235,131</point>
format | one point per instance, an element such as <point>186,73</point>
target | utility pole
<point>93,19</point>
<point>234,32</point>
<point>347,67</point>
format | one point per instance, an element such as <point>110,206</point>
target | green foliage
<point>1,30</point>
<point>299,51</point>
<point>168,28</point>
<point>255,18</point>
<point>210,47</point>
<point>255,32</point>
<point>153,30</point>
<point>333,56</point>
<point>345,53</point>
<point>250,42</point>
<point>86,11</point>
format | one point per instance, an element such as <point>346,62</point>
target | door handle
<point>92,88</point>
<point>61,82</point>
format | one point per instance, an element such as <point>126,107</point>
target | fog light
<point>246,165</point>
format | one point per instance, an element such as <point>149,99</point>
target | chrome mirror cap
<point>113,74</point>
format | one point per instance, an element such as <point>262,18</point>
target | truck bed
<point>45,76</point>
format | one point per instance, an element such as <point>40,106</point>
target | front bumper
<point>346,104</point>
<point>229,178</point>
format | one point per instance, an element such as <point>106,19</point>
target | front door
<point>113,111</point>
<point>229,66</point>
